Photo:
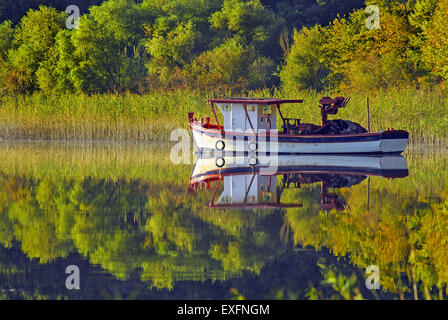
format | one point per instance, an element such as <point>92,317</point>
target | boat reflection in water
<point>258,183</point>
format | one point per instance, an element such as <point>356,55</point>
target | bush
<point>33,45</point>
<point>305,67</point>
<point>230,66</point>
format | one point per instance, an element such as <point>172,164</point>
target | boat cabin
<point>250,114</point>
<point>248,189</point>
<point>245,117</point>
<point>257,191</point>
<point>260,114</point>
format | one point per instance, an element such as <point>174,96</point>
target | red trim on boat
<point>218,131</point>
<point>214,129</point>
<point>216,176</point>
<point>254,101</point>
<point>242,206</point>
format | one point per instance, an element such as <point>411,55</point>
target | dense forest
<point>140,46</point>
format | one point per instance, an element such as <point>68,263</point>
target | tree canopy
<point>138,46</point>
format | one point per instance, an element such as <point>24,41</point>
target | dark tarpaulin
<point>340,126</point>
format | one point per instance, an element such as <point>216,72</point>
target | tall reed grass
<point>424,113</point>
<point>148,162</point>
<point>109,117</point>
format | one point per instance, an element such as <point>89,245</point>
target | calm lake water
<point>136,228</point>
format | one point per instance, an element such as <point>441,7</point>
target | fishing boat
<point>250,125</point>
<point>249,186</point>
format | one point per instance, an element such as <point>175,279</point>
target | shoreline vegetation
<point>132,70</point>
<point>152,117</point>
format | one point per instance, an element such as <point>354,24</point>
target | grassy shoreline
<point>152,117</point>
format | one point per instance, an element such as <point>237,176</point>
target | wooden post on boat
<point>368,115</point>
<point>221,129</point>
<point>324,116</point>
<point>368,194</point>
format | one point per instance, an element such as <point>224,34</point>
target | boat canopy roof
<point>246,100</point>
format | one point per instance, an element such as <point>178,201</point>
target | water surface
<point>129,219</point>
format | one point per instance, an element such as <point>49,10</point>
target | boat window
<point>266,110</point>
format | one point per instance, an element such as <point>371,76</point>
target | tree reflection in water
<point>139,236</point>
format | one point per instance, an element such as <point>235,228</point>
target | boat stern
<point>394,141</point>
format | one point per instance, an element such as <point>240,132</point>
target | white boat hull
<point>381,142</point>
<point>381,165</point>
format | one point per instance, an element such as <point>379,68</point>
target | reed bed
<point>148,162</point>
<point>97,117</point>
<point>151,117</point>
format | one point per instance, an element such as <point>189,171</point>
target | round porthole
<point>220,145</point>
<point>220,162</point>
<point>252,146</point>
<point>252,161</point>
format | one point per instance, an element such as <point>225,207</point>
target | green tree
<point>6,44</point>
<point>231,65</point>
<point>422,13</point>
<point>250,20</point>
<point>34,43</point>
<point>55,74</point>
<point>305,67</point>
<point>107,50</point>
<point>14,10</point>
<point>6,38</point>
<point>307,13</point>
<point>171,44</point>
<point>434,52</point>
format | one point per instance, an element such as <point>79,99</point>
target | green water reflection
<point>124,215</point>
